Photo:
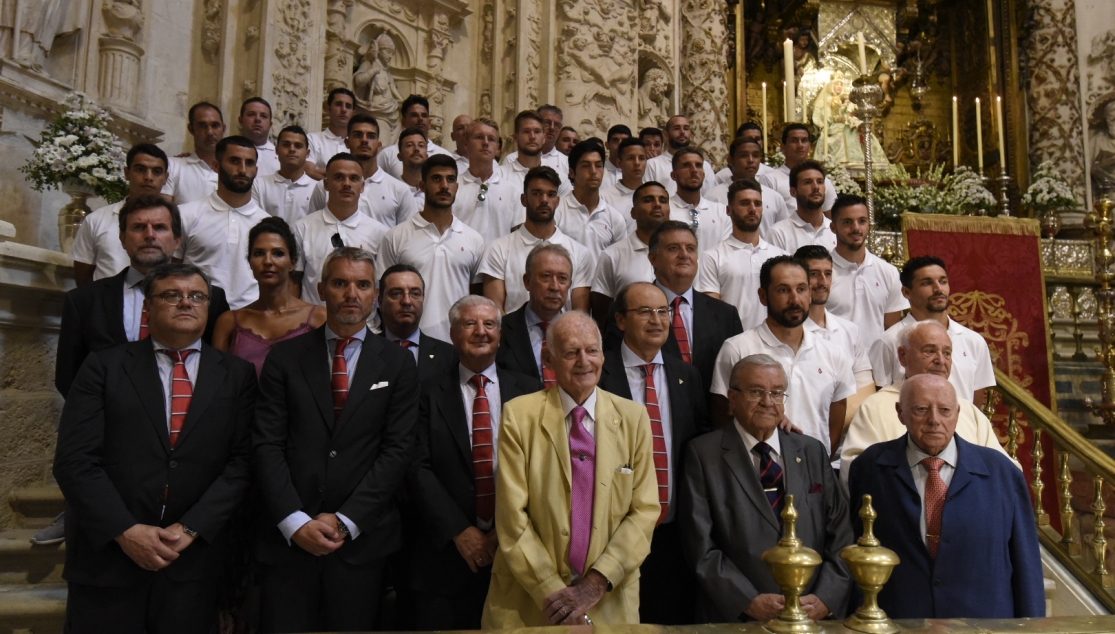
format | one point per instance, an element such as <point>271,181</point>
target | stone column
<point>118,79</point>
<point>704,67</point>
<point>437,46</point>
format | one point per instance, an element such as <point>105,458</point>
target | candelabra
<point>1099,221</point>
<point>792,566</point>
<point>1004,198</point>
<point>871,565</point>
<point>867,96</point>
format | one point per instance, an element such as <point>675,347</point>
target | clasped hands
<point>570,605</point>
<point>477,547</point>
<point>321,535</point>
<point>767,606</point>
<point>153,547</point>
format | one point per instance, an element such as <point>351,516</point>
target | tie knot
<point>933,464</point>
<point>342,343</point>
<point>648,369</point>
<point>763,449</point>
<point>579,414</point>
<point>179,356</point>
<point>406,343</point>
<point>677,302</point>
<point>479,380</point>
<point>543,325</point>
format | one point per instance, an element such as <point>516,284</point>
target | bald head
<point>927,406</point>
<point>925,348</point>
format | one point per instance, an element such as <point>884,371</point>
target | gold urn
<point>792,566</point>
<point>871,565</point>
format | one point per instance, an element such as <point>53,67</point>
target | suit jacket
<point>114,463</point>
<point>727,522</point>
<point>93,319</point>
<point>441,484</point>
<point>307,461</point>
<point>532,509</point>
<point>435,357</point>
<point>714,321</point>
<point>515,352</point>
<point>988,564</point>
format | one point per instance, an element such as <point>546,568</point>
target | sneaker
<point>53,534</point>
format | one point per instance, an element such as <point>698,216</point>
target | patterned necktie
<point>661,455</point>
<point>935,491</point>
<point>582,451</point>
<point>406,343</point>
<point>549,377</point>
<point>483,467</point>
<point>770,476</point>
<point>143,333</point>
<point>340,376</point>
<point>181,392</point>
<point>680,333</point>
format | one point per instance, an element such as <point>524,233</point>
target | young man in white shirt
<point>708,219</point>
<point>487,200</point>
<point>504,265</point>
<point>652,140</point>
<point>745,160</point>
<point>626,261</point>
<point>797,144</point>
<point>323,145</point>
<point>194,176</point>
<point>584,215</point>
<point>530,135</point>
<point>552,118</point>
<point>415,113</point>
<point>339,224</point>
<point>617,134</point>
<point>412,154</point>
<point>97,251</point>
<point>567,138</point>
<point>445,250</point>
<point>633,162</point>
<point>679,135</point>
<point>807,224</point>
<point>286,193</point>
<point>255,125</point>
<point>460,127</point>
<point>730,270</point>
<point>215,228</point>
<point>753,133</point>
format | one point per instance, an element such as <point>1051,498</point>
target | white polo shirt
<point>188,179</point>
<point>506,260</point>
<point>794,232</point>
<point>611,174</point>
<point>972,368</point>
<point>323,145</point>
<point>818,375</point>
<point>774,208</point>
<point>725,177</point>
<point>778,179</point>
<point>713,224</point>
<point>620,198</point>
<point>514,169</point>
<point>387,199</point>
<point>553,158</point>
<point>863,293</point>
<point>732,270</point>
<point>282,197</point>
<point>623,263</point>
<point>215,238</point>
<point>660,167</point>
<point>267,159</point>
<point>389,158</point>
<point>449,263</point>
<point>314,235</point>
<point>849,337</point>
<point>97,242</point>
<point>596,229</point>
<point>500,210</point>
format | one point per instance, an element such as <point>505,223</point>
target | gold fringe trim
<point>971,224</point>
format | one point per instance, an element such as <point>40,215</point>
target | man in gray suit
<point>732,495</point>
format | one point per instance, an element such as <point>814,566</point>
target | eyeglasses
<point>694,214</point>
<point>336,240</point>
<point>756,394</point>
<point>174,298</point>
<point>483,195</point>
<point>645,311</point>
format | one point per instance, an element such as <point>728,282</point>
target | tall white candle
<point>979,136</point>
<point>1002,136</point>
<point>788,71</point>
<point>785,102</point>
<point>955,133</point>
<point>862,54</point>
<point>764,118</point>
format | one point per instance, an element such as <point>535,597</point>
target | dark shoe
<point>53,534</point>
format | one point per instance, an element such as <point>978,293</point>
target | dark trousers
<point>314,594</point>
<point>667,585</point>
<point>160,607</point>
<point>457,611</point>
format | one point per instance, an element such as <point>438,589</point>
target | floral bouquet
<point>964,192</point>
<point>78,149</point>
<point>841,179</point>
<point>1049,191</point>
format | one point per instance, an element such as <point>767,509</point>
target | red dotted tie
<point>549,377</point>
<point>483,466</point>
<point>181,392</point>
<point>340,376</point>
<point>661,457</point>
<point>935,492</point>
<point>143,333</point>
<point>680,333</point>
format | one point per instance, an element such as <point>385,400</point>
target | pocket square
<point>816,488</point>
<point>378,385</point>
<point>625,470</point>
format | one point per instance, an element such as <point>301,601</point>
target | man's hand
<point>184,539</point>
<point>151,547</point>
<point>788,426</point>
<point>814,607</point>
<point>491,543</point>
<point>318,537</point>
<point>473,546</point>
<point>569,606</point>
<point>765,606</point>
<point>332,520</point>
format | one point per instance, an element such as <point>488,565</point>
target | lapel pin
<point>681,382</point>
<point>798,459</point>
<point>431,356</point>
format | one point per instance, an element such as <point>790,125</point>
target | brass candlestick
<point>871,565</point>
<point>867,96</point>
<point>1099,220</point>
<point>792,565</point>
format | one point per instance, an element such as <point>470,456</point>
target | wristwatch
<point>342,527</point>
<point>189,531</point>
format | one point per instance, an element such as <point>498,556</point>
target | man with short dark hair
<point>567,138</point>
<point>255,125</point>
<point>412,154</point>
<point>97,252</point>
<point>625,262</point>
<point>807,224</point>
<point>679,135</point>
<point>750,132</point>
<point>653,140</point>
<point>584,215</point>
<point>340,104</point>
<point>402,296</point>
<point>632,156</point>
<point>617,134</point>
<point>797,144</point>
<point>415,113</point>
<point>486,200</point>
<point>530,136</point>
<point>460,141</point>
<point>194,177</point>
<point>153,459</point>
<point>745,162</point>
<point>286,193</point>
<point>708,218</point>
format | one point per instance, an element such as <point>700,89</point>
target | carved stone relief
<point>291,75</point>
<point>374,84</point>
<point>704,89</point>
<point>338,59</point>
<point>35,22</point>
<point>123,18</point>
<point>597,63</point>
<point>212,28</point>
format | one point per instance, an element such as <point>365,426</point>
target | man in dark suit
<point>452,486</point>
<point>332,444</point>
<point>153,458</point>
<point>548,276</point>
<point>733,492</point>
<point>958,515</point>
<point>671,391</point>
<point>401,295</point>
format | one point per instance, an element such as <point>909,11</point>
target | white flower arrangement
<point>77,146</point>
<point>932,192</point>
<point>776,159</point>
<point>1049,191</point>
<point>841,179</point>
<point>964,192</point>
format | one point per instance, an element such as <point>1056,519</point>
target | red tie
<point>661,458</point>
<point>181,392</point>
<point>482,452</point>
<point>406,343</point>
<point>680,334</point>
<point>143,334</point>
<point>340,376</point>
<point>549,377</point>
<point>935,491</point>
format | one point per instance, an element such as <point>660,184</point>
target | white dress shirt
<point>282,197</point>
<point>914,456</point>
<point>516,170</point>
<point>215,238</point>
<point>448,261</point>
<point>188,179</point>
<point>567,405</point>
<point>849,337</point>
<point>388,157</point>
<point>623,263</point>
<point>713,224</point>
<point>501,209</point>
<point>596,229</point>
<point>749,443</point>
<point>732,271</point>
<point>323,146</point>
<point>534,331</point>
<point>774,207</point>
<point>495,405</point>
<point>634,366</point>
<point>972,369</point>
<point>685,308</point>
<point>166,371</point>
<point>415,339</point>
<point>661,167</point>
<point>133,304</point>
<point>267,159</point>
<point>97,242</point>
<point>620,198</point>
<point>778,179</point>
<point>506,260</point>
<point>795,232</point>
<point>385,198</point>
<point>863,293</point>
<point>314,236</point>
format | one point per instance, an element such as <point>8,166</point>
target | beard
<point>746,227</point>
<point>782,319</point>
<point>231,185</point>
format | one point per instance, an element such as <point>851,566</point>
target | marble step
<point>37,609</point>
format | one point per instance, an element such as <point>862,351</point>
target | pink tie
<point>582,450</point>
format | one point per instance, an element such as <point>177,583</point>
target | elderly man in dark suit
<point>402,293</point>
<point>734,489</point>
<point>153,458</point>
<point>548,278</point>
<point>671,391</point>
<point>332,444</point>
<point>958,515</point>
<point>452,485</point>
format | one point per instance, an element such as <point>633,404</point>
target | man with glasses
<point>671,391</point>
<point>487,200</point>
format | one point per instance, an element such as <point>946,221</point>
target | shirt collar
<point>328,134</point>
<point>632,360</point>
<point>636,243</point>
<point>914,454</point>
<point>266,147</point>
<point>533,319</point>
<point>839,261</point>
<point>422,223</point>
<point>302,181</point>
<point>218,204</point>
<point>376,177</point>
<point>567,403</point>
<point>701,205</point>
<point>415,337</point>
<point>750,441</point>
<point>133,277</point>
<point>670,295</point>
<point>469,177</point>
<point>195,346</point>
<point>830,324</point>
<point>529,239</point>
<point>351,222</point>
<point>805,224</point>
<point>576,205</point>
<point>332,336</point>
<point>490,372</point>
<point>770,340</point>
<point>735,243</point>
<point>195,159</point>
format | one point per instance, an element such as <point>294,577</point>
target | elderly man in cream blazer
<point>576,495</point>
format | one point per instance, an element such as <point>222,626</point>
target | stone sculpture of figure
<point>375,87</point>
<point>1102,123</point>
<point>609,79</point>
<point>39,22</point>
<point>654,106</point>
<point>652,13</point>
<point>123,18</point>
<point>838,126</point>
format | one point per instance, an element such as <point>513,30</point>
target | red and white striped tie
<point>482,446</point>
<point>340,376</point>
<point>181,392</point>
<point>661,457</point>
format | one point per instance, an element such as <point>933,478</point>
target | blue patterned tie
<point>770,476</point>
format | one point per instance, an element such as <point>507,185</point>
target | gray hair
<point>470,301</point>
<point>353,254</point>
<point>546,247</point>
<point>586,322</point>
<point>176,270</point>
<point>756,361</point>
<point>907,334</point>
